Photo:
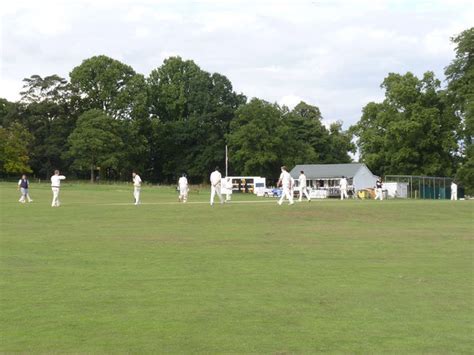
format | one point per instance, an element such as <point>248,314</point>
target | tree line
<point>106,120</point>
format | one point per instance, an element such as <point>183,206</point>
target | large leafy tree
<point>306,126</point>
<point>15,141</point>
<point>460,75</point>
<point>193,109</point>
<point>95,143</point>
<point>412,131</point>
<point>339,145</point>
<point>263,138</point>
<point>48,110</point>
<point>330,145</point>
<point>7,111</point>
<point>114,87</point>
<point>111,86</point>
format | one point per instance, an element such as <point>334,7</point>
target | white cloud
<point>290,101</point>
<point>332,53</point>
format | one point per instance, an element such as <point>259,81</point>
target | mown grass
<point>101,275</point>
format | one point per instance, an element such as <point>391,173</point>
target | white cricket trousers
<point>183,194</point>
<point>55,202</point>
<point>343,194</point>
<point>304,190</point>
<point>216,190</point>
<point>136,194</point>
<point>379,194</point>
<point>24,195</point>
<point>454,195</point>
<point>286,194</point>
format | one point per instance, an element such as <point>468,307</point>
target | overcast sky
<point>330,53</point>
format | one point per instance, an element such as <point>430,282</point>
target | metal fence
<point>424,187</point>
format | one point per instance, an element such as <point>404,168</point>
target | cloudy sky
<point>330,53</point>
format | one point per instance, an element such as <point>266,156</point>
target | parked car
<point>275,192</point>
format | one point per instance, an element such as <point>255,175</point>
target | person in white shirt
<point>227,184</point>
<point>343,187</point>
<point>183,188</point>
<point>216,179</point>
<point>454,191</point>
<point>55,185</point>
<point>137,185</point>
<point>379,190</point>
<point>23,186</point>
<point>285,182</point>
<point>303,189</point>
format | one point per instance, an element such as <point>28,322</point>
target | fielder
<point>23,186</point>
<point>55,185</point>
<point>285,182</point>
<point>343,187</point>
<point>303,189</point>
<point>215,179</point>
<point>183,188</point>
<point>378,190</point>
<point>454,191</point>
<point>228,188</point>
<point>137,186</point>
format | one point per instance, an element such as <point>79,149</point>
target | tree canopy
<point>14,144</point>
<point>180,117</point>
<point>94,142</point>
<point>412,131</point>
<point>460,75</point>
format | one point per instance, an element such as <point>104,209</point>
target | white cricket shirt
<point>137,182</point>
<point>216,178</point>
<point>285,179</point>
<point>183,183</point>
<point>56,180</point>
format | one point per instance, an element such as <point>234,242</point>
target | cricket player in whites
<point>343,187</point>
<point>216,179</point>
<point>137,186</point>
<point>55,185</point>
<point>454,191</point>
<point>183,188</point>
<point>302,187</point>
<point>285,182</point>
<point>23,186</point>
<point>228,186</point>
<point>378,190</point>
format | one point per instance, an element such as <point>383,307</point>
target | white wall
<point>364,179</point>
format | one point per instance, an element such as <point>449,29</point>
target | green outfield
<point>99,274</point>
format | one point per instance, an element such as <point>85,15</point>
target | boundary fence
<point>426,187</point>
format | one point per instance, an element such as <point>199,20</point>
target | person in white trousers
<point>343,187</point>
<point>183,188</point>
<point>303,189</point>
<point>228,188</point>
<point>23,186</point>
<point>378,190</point>
<point>285,182</point>
<point>216,179</point>
<point>55,186</point>
<point>454,191</point>
<point>137,186</point>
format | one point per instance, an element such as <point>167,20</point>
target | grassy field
<point>101,275</point>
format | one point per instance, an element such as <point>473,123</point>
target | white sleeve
<point>19,182</point>
<point>62,177</point>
